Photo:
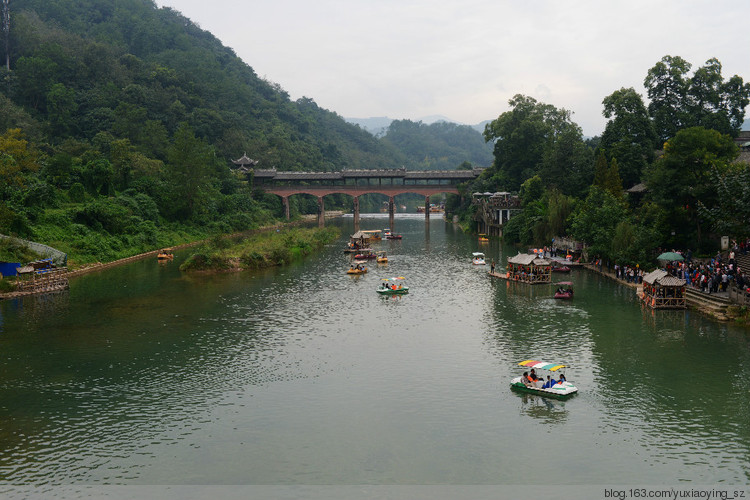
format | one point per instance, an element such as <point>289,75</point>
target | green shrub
<point>7,286</point>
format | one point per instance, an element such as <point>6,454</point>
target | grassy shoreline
<point>256,251</point>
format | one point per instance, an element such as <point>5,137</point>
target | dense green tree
<point>629,134</point>
<point>35,75</point>
<point>705,99</point>
<point>612,181</point>
<point>682,177</point>
<point>567,163</point>
<point>667,85</point>
<point>61,109</point>
<point>600,170</point>
<point>524,136</point>
<point>190,164</point>
<point>730,215</point>
<point>596,219</point>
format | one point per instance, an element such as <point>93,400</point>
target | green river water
<point>141,375</point>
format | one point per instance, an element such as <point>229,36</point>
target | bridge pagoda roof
<point>273,174</point>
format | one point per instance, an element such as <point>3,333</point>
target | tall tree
<point>629,134</point>
<point>703,99</point>
<point>190,164</point>
<point>667,86</point>
<point>731,213</point>
<point>595,220</point>
<point>522,137</point>
<point>682,177</point>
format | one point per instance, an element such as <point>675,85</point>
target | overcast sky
<point>463,59</point>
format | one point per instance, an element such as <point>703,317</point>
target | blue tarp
<point>9,268</point>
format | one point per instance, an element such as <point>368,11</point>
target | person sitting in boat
<point>562,378</point>
<point>527,380</point>
<point>548,383</point>
<point>533,376</point>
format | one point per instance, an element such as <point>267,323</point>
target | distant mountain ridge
<point>378,125</point>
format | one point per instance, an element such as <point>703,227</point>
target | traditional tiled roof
<point>661,277</point>
<point>244,160</point>
<point>401,173</point>
<point>526,259</point>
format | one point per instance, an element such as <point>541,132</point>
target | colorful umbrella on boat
<point>541,365</point>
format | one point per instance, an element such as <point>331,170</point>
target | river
<point>303,375</point>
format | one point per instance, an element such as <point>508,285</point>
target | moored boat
<point>558,388</point>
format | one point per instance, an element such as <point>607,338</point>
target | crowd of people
<point>714,275</point>
<point>707,275</point>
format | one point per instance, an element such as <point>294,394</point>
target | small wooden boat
<point>558,388</point>
<point>382,258</point>
<point>561,269</point>
<point>483,238</point>
<point>365,255</point>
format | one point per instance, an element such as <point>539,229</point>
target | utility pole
<point>6,31</point>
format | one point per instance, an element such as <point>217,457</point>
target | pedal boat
<point>478,259</point>
<point>389,287</point>
<point>562,390</point>
<point>564,293</point>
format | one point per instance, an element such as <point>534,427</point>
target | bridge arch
<point>356,183</point>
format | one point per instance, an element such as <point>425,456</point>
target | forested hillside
<point>440,145</point>
<point>119,120</point>
<point>128,69</point>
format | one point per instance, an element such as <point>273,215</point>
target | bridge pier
<point>285,202</point>
<point>356,211</point>
<point>427,207</point>
<point>391,211</point>
<point>321,212</point>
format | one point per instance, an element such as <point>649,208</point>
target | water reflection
<point>304,375</point>
<point>544,409</point>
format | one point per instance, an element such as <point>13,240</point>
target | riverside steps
<point>713,304</point>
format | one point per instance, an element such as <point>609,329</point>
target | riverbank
<point>268,249</point>
<point>68,274</point>
<point>714,305</point>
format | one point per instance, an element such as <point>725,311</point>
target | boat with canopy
<point>548,386</point>
<point>478,259</point>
